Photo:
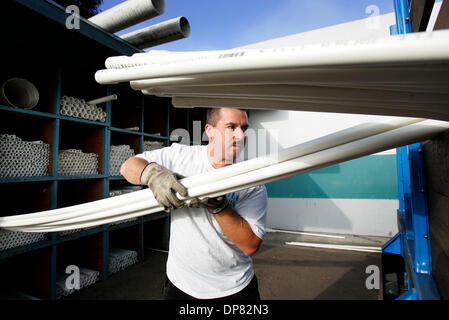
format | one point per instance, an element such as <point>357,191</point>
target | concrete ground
<point>285,272</point>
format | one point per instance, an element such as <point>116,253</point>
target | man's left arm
<point>238,230</point>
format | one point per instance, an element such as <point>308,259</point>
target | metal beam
<point>420,11</point>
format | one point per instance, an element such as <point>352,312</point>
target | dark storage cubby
<point>84,252</point>
<point>128,237</point>
<point>26,197</point>
<point>76,191</point>
<point>28,273</point>
<point>157,232</point>
<point>127,109</point>
<point>37,69</point>
<point>78,81</point>
<point>156,116</point>
<point>130,139</point>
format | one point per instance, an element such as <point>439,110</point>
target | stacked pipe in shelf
<point>87,277</point>
<point>79,108</point>
<point>120,259</point>
<point>76,162</point>
<point>20,158</point>
<point>152,145</point>
<point>14,239</point>
<point>118,155</point>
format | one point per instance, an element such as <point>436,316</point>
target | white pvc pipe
<point>334,139</point>
<point>306,92</point>
<point>405,50</point>
<point>387,140</point>
<point>166,31</point>
<point>318,103</point>
<point>269,104</point>
<point>19,93</point>
<point>103,99</point>
<point>328,77</point>
<point>127,14</point>
<point>405,135</point>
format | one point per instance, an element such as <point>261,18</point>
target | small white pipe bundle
<point>117,156</point>
<point>75,162</point>
<point>79,108</point>
<point>120,259</point>
<point>152,145</point>
<point>341,146</point>
<point>20,158</point>
<point>404,75</point>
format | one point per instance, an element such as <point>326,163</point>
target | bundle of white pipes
<point>14,239</point>
<point>20,158</point>
<point>351,143</point>
<point>152,145</point>
<point>120,259</point>
<point>76,162</point>
<point>79,108</point>
<point>117,156</point>
<point>404,75</point>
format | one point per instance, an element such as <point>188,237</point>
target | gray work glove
<point>213,205</point>
<point>164,184</point>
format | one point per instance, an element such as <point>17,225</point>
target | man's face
<point>228,135</point>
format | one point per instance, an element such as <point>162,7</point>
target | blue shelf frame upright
<point>412,241</point>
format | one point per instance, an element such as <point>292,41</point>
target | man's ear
<point>209,131</point>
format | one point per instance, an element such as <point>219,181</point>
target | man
<point>211,240</point>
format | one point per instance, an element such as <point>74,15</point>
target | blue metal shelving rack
<point>412,242</point>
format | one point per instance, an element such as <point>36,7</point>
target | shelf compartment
<point>86,254</point>
<point>126,111</point>
<point>119,187</point>
<point>26,145</point>
<point>127,238</point>
<point>123,146</point>
<point>84,138</point>
<point>38,69</point>
<point>28,273</point>
<point>157,232</point>
<point>77,191</point>
<point>156,116</point>
<point>26,197</point>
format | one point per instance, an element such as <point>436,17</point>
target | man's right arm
<point>132,169</point>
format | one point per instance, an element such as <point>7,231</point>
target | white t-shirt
<point>202,261</point>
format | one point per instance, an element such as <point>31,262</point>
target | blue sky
<point>224,24</point>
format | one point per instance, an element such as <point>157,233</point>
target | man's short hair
<point>213,115</point>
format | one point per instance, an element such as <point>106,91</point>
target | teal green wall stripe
<point>370,177</point>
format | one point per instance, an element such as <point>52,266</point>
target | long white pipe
<point>166,31</point>
<point>344,136</point>
<point>432,48</point>
<point>319,103</point>
<point>392,75</point>
<point>306,92</point>
<point>103,99</point>
<point>387,140</point>
<point>127,14</point>
<point>268,104</point>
